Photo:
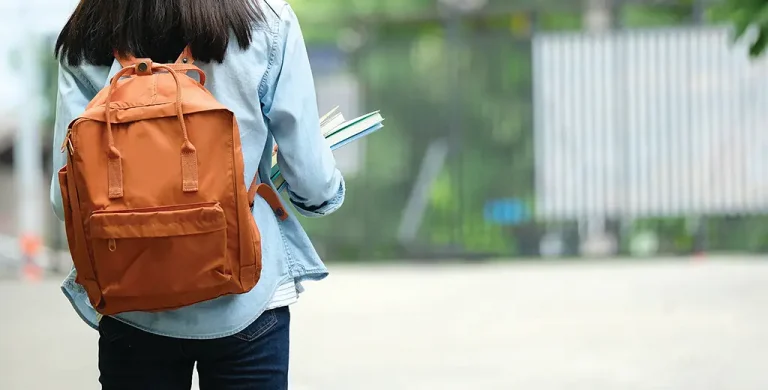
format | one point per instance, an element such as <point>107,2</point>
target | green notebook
<point>337,133</point>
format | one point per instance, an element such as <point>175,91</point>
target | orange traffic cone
<point>30,247</point>
<point>32,272</point>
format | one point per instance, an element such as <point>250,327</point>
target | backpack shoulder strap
<point>184,58</point>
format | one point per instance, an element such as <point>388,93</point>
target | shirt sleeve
<point>74,94</point>
<point>314,183</point>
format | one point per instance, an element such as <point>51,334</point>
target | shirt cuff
<point>324,209</point>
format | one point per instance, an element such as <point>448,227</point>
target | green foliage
<point>331,10</point>
<point>738,233</point>
<point>657,15</point>
<point>746,15</point>
<point>433,85</point>
<point>555,21</point>
<point>674,234</point>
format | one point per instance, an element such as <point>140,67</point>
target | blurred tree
<point>746,15</point>
<point>471,85</point>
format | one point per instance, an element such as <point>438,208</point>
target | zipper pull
<point>67,144</point>
<point>112,245</point>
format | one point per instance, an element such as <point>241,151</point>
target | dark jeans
<point>256,358</point>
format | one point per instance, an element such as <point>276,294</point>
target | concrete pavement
<point>673,325</point>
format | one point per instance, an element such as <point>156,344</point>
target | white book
<point>337,133</point>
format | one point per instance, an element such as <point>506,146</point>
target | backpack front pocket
<point>160,252</point>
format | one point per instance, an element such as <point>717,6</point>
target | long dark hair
<point>156,29</point>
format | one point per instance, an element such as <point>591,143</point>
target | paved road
<point>594,326</point>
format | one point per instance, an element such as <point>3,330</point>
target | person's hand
<point>274,150</point>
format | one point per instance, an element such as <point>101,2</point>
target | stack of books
<point>337,132</point>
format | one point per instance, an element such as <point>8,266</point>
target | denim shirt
<point>270,88</point>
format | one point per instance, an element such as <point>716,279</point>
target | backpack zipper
<point>67,143</point>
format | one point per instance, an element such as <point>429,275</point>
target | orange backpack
<point>157,213</point>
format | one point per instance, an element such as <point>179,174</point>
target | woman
<point>256,64</point>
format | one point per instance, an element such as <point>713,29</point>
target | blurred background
<point>567,194</point>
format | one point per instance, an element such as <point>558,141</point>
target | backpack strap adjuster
<point>269,195</point>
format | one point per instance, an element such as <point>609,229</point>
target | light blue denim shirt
<point>270,89</point>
